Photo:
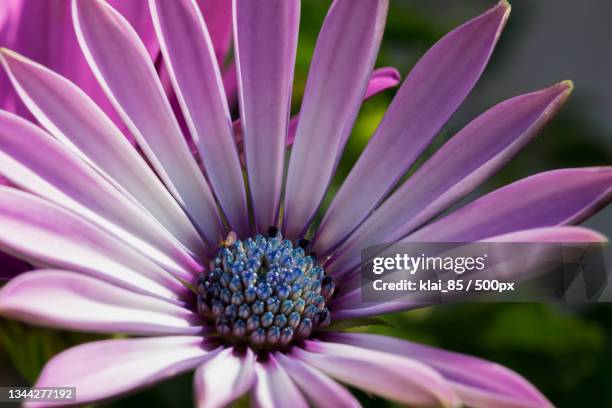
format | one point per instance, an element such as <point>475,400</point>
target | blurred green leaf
<point>29,348</point>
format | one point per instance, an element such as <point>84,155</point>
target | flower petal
<point>42,31</point>
<point>341,66</point>
<point>75,120</point>
<point>478,383</point>
<point>224,378</point>
<point>109,368</point>
<point>274,388</point>
<point>558,197</point>
<point>431,93</point>
<point>400,379</point>
<point>73,301</point>
<point>37,163</point>
<point>468,159</point>
<point>218,17</point>
<point>380,80</point>
<point>265,43</point>
<point>350,306</point>
<point>45,234</point>
<point>121,64</point>
<point>189,56</point>
<point>230,84</point>
<point>321,390</point>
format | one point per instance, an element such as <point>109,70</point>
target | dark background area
<point>564,350</point>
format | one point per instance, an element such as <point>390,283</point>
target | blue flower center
<point>265,292</point>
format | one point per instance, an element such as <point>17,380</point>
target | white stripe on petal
<point>274,388</point>
<point>107,368</point>
<point>79,124</point>
<point>224,378</point>
<point>190,59</point>
<point>48,235</point>
<point>125,71</point>
<point>32,160</point>
<point>73,301</point>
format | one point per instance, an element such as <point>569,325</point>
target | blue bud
<point>237,298</point>
<point>258,307</point>
<point>266,319</point>
<point>318,301</point>
<point>286,306</point>
<point>203,308</point>
<point>252,323</point>
<point>299,306</point>
<point>250,294</point>
<point>327,288</point>
<point>280,320</point>
<point>244,311</point>
<point>239,328</point>
<point>304,328</point>
<point>322,318</point>
<point>310,311</point>
<point>283,291</point>
<point>249,277</point>
<point>263,291</point>
<point>273,335</point>
<point>217,307</point>
<point>306,284</point>
<point>298,252</point>
<point>235,283</point>
<point>272,304</point>
<point>231,311</point>
<point>294,320</point>
<point>225,295</point>
<point>286,336</point>
<point>296,291</point>
<point>258,337</point>
<point>215,290</point>
<point>223,326</point>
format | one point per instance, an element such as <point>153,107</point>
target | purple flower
<point>127,241</point>
<point>43,31</point>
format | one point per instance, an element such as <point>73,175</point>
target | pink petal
<point>75,120</point>
<point>37,163</point>
<point>380,80</point>
<point>478,383</point>
<point>230,84</point>
<point>403,380</point>
<point>350,306</point>
<point>341,66</point>
<point>45,234</point>
<point>189,56</point>
<point>265,43</point>
<point>73,301</point>
<point>274,388</point>
<point>321,390</point>
<point>224,378</point>
<point>218,17</point>
<point>128,76</point>
<point>432,91</point>
<point>42,31</point>
<point>109,368</point>
<point>475,153</point>
<point>558,197</point>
